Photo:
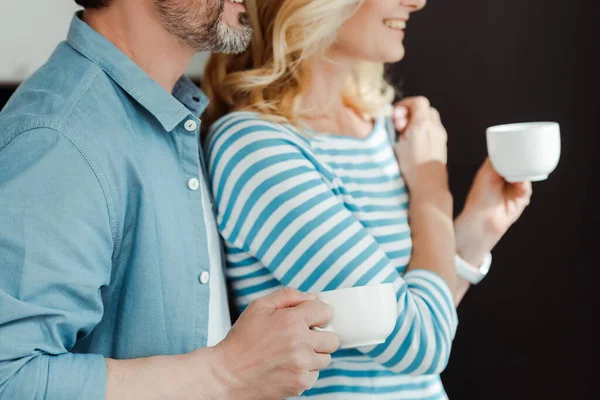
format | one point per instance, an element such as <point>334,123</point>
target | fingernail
<point>400,112</point>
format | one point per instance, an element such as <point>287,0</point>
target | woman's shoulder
<point>250,127</point>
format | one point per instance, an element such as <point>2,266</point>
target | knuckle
<point>255,303</point>
<point>288,290</point>
<point>289,319</point>
<point>422,101</point>
<point>294,345</point>
<point>303,381</point>
<point>297,361</point>
<point>326,309</point>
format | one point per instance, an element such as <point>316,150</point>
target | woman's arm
<point>422,153</point>
<point>274,203</point>
<point>430,218</point>
<point>492,207</point>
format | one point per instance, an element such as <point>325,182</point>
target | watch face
<point>487,263</point>
<point>470,273</point>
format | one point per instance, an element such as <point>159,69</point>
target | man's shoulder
<point>58,96</point>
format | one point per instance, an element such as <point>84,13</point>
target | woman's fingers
<point>400,118</point>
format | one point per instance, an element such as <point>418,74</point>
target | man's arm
<point>55,256</point>
<point>56,246</point>
<point>275,328</point>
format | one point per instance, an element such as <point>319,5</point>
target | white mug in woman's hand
<point>524,152</point>
<point>362,316</point>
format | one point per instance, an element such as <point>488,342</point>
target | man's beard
<point>199,24</point>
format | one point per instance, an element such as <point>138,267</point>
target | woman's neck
<point>323,99</point>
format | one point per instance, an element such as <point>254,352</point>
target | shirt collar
<point>169,109</point>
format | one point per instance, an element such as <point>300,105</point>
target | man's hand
<point>492,206</point>
<point>271,352</point>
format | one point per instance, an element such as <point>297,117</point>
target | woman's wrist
<point>473,237</point>
<point>428,179</point>
<point>428,186</point>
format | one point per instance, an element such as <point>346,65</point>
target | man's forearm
<point>186,376</point>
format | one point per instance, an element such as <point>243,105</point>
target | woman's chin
<point>389,57</point>
<point>394,57</point>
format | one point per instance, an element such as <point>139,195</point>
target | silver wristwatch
<point>471,273</point>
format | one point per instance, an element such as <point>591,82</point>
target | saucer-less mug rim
<point>522,126</point>
<point>347,289</point>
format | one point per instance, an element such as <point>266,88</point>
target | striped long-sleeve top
<point>318,212</point>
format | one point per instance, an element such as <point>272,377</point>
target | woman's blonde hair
<point>269,77</point>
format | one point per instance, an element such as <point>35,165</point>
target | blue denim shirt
<point>102,238</point>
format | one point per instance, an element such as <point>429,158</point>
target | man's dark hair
<point>93,3</point>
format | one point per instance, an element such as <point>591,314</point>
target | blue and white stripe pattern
<point>320,212</point>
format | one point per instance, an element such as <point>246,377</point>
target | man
<point>111,282</point>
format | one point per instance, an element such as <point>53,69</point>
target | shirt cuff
<point>434,290</point>
<point>76,376</point>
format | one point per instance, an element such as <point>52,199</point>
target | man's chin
<point>233,39</point>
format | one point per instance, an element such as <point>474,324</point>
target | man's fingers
<point>285,298</point>
<point>315,313</point>
<point>324,342</point>
<point>319,362</point>
<point>312,378</point>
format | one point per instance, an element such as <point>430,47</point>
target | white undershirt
<point>219,321</point>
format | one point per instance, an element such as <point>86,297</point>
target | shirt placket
<point>193,179</point>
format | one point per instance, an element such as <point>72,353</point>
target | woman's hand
<point>492,206</point>
<point>421,148</point>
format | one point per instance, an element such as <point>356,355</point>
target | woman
<point>311,193</point>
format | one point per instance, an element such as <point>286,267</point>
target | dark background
<point>528,331</point>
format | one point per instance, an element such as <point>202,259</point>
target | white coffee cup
<point>363,315</point>
<point>525,151</point>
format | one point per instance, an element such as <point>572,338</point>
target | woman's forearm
<point>473,241</point>
<point>430,217</point>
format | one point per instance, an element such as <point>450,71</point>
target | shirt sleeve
<point>274,203</point>
<point>55,256</point>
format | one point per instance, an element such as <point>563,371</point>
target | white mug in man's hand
<point>362,316</point>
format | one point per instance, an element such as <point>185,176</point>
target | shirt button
<point>204,277</point>
<point>193,184</point>
<point>190,125</point>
